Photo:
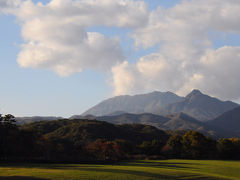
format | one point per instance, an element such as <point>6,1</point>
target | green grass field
<point>162,169</point>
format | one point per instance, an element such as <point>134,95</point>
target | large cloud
<point>186,58</point>
<point>8,6</point>
<point>149,73</point>
<point>56,38</point>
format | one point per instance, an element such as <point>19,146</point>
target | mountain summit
<point>137,104</point>
<point>199,106</point>
<point>194,92</point>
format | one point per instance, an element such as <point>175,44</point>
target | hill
<point>174,122</point>
<point>79,130</point>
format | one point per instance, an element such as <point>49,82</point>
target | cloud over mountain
<point>186,58</point>
<point>56,37</point>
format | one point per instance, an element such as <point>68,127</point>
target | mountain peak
<point>194,92</point>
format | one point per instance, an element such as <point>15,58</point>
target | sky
<point>61,57</point>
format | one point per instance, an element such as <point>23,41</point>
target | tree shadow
<point>167,165</point>
<point>103,169</point>
<point>20,178</point>
<point>152,175</point>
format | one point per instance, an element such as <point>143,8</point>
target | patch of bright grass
<point>141,170</point>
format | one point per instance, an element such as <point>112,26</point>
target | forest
<point>86,141</point>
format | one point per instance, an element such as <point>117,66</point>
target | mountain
<point>181,121</point>
<point>174,122</point>
<point>134,104</point>
<point>24,120</point>
<point>229,120</point>
<point>196,104</point>
<point>199,106</point>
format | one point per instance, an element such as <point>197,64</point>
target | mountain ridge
<point>195,104</point>
<point>136,104</point>
<point>198,105</point>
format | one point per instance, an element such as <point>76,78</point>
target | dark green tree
<point>197,146</point>
<point>175,146</point>
<point>8,135</point>
<point>229,148</point>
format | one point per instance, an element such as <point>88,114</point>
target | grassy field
<point>164,169</point>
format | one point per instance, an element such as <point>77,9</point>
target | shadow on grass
<point>104,169</point>
<point>150,175</point>
<point>20,178</point>
<point>159,165</point>
<point>165,165</point>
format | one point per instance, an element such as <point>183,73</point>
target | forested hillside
<point>79,140</point>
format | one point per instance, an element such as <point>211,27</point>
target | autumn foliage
<point>92,141</point>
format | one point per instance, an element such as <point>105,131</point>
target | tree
<point>174,146</point>
<point>8,134</point>
<point>7,121</point>
<point>197,146</point>
<point>105,150</point>
<point>151,147</point>
<point>229,148</point>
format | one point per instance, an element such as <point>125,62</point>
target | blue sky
<point>38,91</point>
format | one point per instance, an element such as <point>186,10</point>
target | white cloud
<point>186,58</point>
<point>220,70</point>
<point>124,78</point>
<point>8,6</point>
<point>66,55</point>
<point>219,73</point>
<point>119,13</point>
<point>148,74</point>
<point>56,38</point>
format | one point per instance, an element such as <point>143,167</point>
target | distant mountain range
<point>24,120</point>
<point>166,111</point>
<point>200,106</point>
<point>226,125</point>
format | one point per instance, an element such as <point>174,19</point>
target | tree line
<point>93,141</point>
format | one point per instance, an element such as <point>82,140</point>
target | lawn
<point>162,169</point>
